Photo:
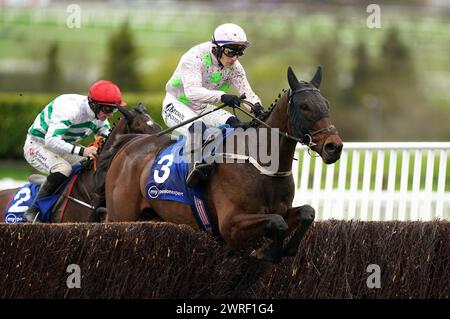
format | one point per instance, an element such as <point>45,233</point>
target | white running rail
<point>377,181</point>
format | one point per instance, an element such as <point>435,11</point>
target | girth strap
<point>255,163</point>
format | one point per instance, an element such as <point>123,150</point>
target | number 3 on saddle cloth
<point>24,197</point>
<point>167,179</point>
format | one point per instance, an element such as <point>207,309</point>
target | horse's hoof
<point>307,215</point>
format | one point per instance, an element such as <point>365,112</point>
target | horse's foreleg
<point>98,215</point>
<point>123,204</point>
<point>248,227</point>
<point>299,218</point>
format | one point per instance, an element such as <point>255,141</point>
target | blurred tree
<point>121,61</point>
<point>326,55</point>
<point>382,98</point>
<point>157,74</point>
<point>362,71</point>
<point>353,117</point>
<point>396,59</point>
<point>52,74</point>
<point>397,86</point>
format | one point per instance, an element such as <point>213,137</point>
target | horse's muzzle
<point>332,152</point>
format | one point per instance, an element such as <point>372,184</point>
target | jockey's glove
<point>230,100</point>
<point>257,109</point>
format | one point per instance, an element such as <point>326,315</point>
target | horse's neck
<point>85,183</point>
<point>278,118</point>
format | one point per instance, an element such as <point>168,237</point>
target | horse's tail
<point>104,161</point>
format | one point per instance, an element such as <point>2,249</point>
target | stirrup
<point>33,218</point>
<point>195,175</point>
<point>199,173</point>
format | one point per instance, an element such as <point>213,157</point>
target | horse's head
<point>309,118</point>
<point>139,121</point>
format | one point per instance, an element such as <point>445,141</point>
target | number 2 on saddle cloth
<point>24,197</point>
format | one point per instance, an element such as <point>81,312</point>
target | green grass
<point>17,171</point>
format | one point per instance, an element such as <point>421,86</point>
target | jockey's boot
<point>198,169</point>
<point>198,173</point>
<point>52,183</point>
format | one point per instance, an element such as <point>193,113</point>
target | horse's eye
<point>304,107</point>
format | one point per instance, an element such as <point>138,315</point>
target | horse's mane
<point>265,115</point>
<point>99,151</point>
<point>103,163</point>
<point>100,154</point>
<point>105,159</point>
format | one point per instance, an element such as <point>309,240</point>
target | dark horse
<point>136,120</point>
<point>244,204</point>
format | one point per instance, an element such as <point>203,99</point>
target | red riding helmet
<point>106,93</point>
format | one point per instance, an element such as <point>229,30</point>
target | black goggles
<point>107,108</point>
<point>231,52</point>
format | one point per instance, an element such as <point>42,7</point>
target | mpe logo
<point>13,219</point>
<point>153,192</point>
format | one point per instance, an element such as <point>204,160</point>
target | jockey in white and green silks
<point>202,77</point>
<point>49,146</point>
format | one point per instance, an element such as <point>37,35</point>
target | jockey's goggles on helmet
<point>232,51</point>
<point>107,108</point>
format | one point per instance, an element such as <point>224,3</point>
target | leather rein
<point>307,137</point>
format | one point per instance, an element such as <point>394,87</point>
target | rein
<point>170,129</point>
<point>306,139</point>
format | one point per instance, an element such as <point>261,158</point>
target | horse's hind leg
<point>299,218</point>
<point>247,227</point>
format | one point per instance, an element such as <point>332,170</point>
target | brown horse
<point>244,204</point>
<point>80,206</point>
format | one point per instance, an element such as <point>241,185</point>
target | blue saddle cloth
<point>167,173</point>
<point>167,179</point>
<point>25,196</point>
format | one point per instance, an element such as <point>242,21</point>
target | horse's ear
<point>142,107</point>
<point>292,79</point>
<point>317,78</point>
<point>125,112</point>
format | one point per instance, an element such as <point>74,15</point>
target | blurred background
<point>390,83</point>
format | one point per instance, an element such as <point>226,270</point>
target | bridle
<point>306,133</point>
<point>306,137</point>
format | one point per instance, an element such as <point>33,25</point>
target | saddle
<point>51,207</point>
<point>37,179</point>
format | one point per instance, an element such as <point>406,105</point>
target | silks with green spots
<point>175,81</point>
<point>216,77</point>
<point>224,87</point>
<point>207,60</point>
<point>183,99</point>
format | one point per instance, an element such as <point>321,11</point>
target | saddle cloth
<point>167,180</point>
<point>24,197</point>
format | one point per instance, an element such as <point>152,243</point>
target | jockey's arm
<point>193,87</point>
<point>54,141</point>
<point>103,131</point>
<point>57,128</point>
